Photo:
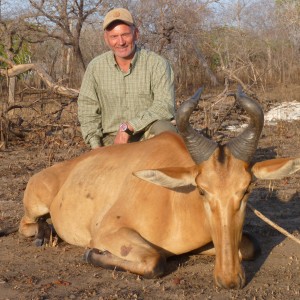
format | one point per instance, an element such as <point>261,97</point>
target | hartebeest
<point>193,191</point>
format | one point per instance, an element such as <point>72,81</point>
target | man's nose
<point>121,40</point>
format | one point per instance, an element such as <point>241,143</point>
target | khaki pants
<point>154,129</point>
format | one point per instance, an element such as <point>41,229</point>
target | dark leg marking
<point>125,250</point>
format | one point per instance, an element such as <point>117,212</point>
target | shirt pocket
<point>145,98</point>
<point>144,93</point>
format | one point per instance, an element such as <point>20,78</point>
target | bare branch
<point>54,87</point>
<point>269,222</point>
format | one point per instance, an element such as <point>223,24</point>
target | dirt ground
<point>28,272</point>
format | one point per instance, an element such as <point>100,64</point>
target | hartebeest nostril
<point>230,281</point>
<point>237,283</point>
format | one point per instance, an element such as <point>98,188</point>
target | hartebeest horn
<point>244,145</point>
<point>200,147</point>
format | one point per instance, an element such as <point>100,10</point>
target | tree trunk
<point>11,90</point>
<point>269,63</point>
<point>208,71</point>
<point>77,67</point>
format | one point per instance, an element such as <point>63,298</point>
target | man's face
<point>121,40</point>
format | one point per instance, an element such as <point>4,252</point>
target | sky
<point>10,7</point>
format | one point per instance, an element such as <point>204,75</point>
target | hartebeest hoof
<point>250,247</point>
<point>103,259</point>
<point>152,267</point>
<point>96,258</point>
<point>45,231</point>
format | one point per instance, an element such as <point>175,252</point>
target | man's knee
<point>108,140</point>
<point>158,127</point>
<point>161,126</point>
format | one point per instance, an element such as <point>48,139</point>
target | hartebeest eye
<point>247,190</point>
<point>201,191</point>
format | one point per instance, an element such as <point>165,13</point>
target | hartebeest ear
<point>169,177</point>
<point>276,168</point>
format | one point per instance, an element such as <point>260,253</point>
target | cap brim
<point>117,20</point>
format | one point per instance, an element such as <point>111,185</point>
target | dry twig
<point>277,227</point>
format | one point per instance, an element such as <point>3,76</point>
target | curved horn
<point>244,145</point>
<point>200,147</point>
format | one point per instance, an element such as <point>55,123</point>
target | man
<point>127,94</point>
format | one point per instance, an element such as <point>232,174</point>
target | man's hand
<point>121,137</point>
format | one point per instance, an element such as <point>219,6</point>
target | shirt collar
<point>135,57</point>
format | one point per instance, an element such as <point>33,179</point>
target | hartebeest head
<point>222,175</point>
<point>223,181</point>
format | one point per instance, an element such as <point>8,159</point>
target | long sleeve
<point>162,92</point>
<point>89,113</point>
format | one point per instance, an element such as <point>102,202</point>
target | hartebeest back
<point>194,191</point>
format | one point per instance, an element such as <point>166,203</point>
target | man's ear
<point>136,33</point>
<point>105,37</point>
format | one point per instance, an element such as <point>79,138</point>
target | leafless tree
<point>64,20</point>
<point>175,29</point>
<point>12,44</point>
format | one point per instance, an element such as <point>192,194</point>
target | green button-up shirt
<point>109,96</point>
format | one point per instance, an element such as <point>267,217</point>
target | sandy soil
<point>28,272</point>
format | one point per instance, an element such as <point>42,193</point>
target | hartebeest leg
<point>127,250</point>
<point>249,247</point>
<point>40,229</point>
<point>44,233</point>
<point>37,200</point>
<point>28,226</point>
<point>34,210</point>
